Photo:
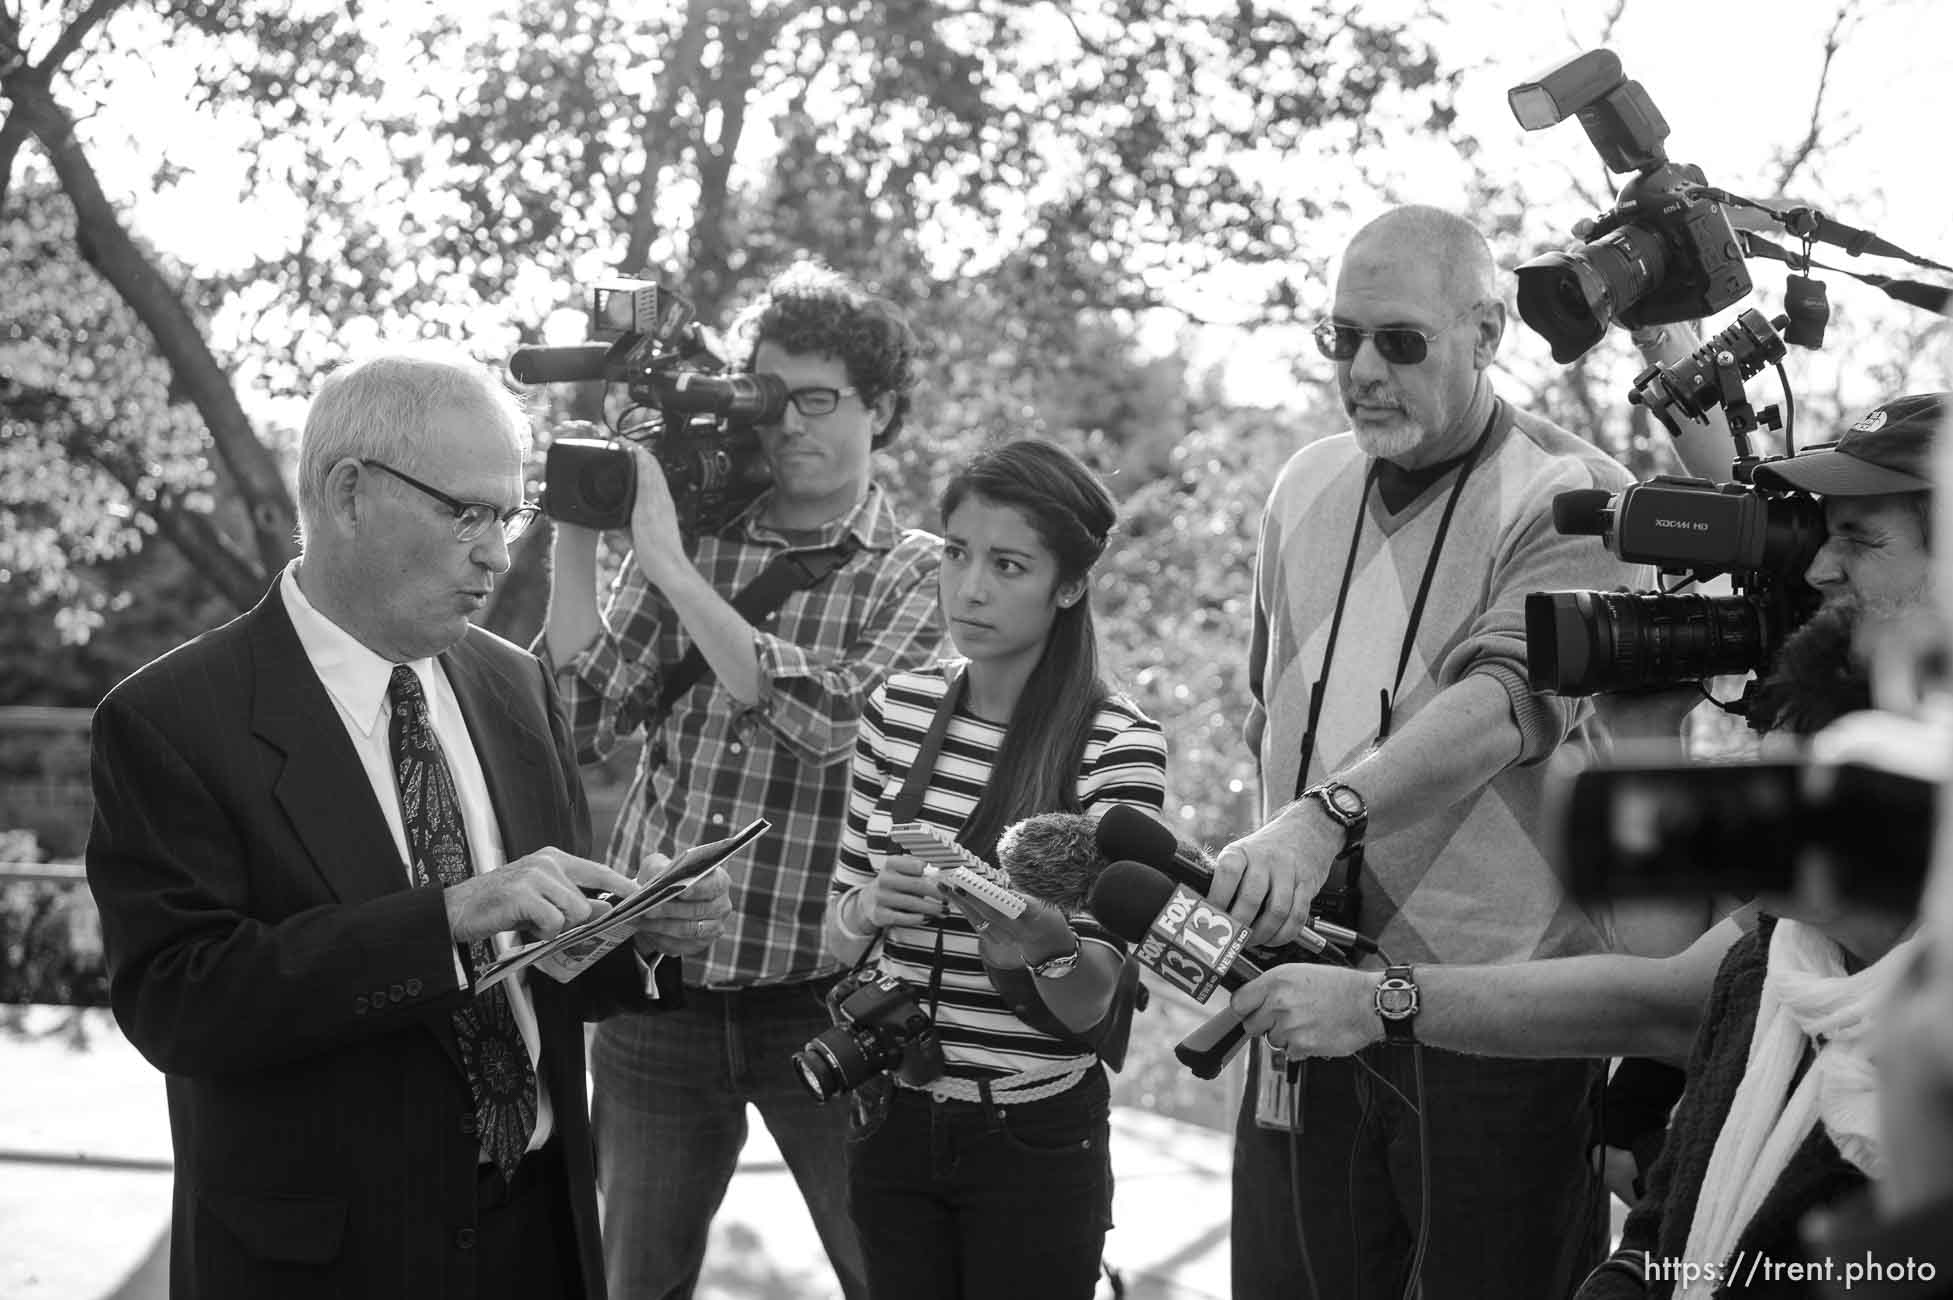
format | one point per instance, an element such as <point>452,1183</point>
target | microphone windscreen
<point>1126,832</point>
<point>1052,856</point>
<point>1127,896</point>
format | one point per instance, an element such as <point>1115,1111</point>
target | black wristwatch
<point>1396,1003</point>
<point>1344,806</point>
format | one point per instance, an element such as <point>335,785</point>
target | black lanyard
<point>908,802</point>
<point>1388,699</point>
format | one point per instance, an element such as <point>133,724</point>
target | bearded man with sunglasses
<point>767,732</point>
<point>313,826</point>
<point>1402,752</point>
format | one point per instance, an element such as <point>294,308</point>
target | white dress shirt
<point>357,680</point>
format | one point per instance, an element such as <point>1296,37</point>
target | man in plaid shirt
<point>767,732</point>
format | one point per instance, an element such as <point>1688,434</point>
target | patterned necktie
<point>499,1074</point>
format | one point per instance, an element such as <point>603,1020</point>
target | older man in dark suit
<point>312,826</point>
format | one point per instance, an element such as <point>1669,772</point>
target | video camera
<point>702,423</point>
<point>1851,826</point>
<point>1661,255</point>
<point>1589,642</point>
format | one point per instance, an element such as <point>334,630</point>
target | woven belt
<point>1034,1084</point>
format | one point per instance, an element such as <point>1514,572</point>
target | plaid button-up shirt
<point>713,764</point>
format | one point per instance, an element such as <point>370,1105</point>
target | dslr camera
<point>877,1027</point>
<point>700,422</point>
<point>1663,254</point>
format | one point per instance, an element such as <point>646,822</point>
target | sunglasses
<point>1400,345</point>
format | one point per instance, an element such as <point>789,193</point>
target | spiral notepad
<point>966,869</point>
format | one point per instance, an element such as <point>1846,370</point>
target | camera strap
<point>908,800</point>
<point>784,574</point>
<point>1388,702</point>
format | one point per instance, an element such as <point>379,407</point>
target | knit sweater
<point>1471,882</point>
<point>1816,1175</point>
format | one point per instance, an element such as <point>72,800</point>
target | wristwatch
<point>1056,968</point>
<point>1344,806</point>
<point>1396,1004</point>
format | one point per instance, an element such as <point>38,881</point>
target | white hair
<point>379,406</point>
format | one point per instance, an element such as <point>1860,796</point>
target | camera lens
<point>833,1062</point>
<point>1586,642</point>
<point>1570,297</point>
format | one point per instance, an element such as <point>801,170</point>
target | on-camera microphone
<point>559,365</point>
<point>1052,856</point>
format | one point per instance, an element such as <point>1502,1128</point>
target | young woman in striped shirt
<point>994,1180</point>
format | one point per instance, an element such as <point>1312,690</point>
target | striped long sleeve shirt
<point>1124,762</point>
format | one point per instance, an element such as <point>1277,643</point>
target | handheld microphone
<point>1052,856</point>
<point>1174,932</point>
<point>1124,832</point>
<point>559,365</point>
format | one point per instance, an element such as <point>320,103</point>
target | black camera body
<point>1662,254</point>
<point>1590,642</point>
<point>1850,825</point>
<point>878,1028</point>
<point>702,424</point>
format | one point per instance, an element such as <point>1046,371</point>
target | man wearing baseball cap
<point>1876,485</point>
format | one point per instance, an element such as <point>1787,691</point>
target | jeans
<point>958,1203</point>
<point>1515,1207</point>
<point>668,1118</point>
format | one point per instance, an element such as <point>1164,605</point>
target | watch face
<point>1345,800</point>
<point>1396,1002</point>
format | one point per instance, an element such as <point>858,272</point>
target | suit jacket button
<point>470,1125</point>
<point>379,997</point>
<point>413,988</point>
<point>395,993</point>
<point>464,1239</point>
<point>359,1004</point>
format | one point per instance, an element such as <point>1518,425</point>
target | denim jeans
<point>668,1117</point>
<point>1515,1208</point>
<point>956,1202</point>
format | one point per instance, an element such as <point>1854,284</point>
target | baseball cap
<point>1889,450</point>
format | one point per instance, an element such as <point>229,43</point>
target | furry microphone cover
<point>1052,856</point>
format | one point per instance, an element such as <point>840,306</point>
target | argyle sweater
<point>1471,882</point>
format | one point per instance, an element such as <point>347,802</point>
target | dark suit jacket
<point>266,953</point>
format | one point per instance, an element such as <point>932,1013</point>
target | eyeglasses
<point>471,518</point>
<point>1400,345</point>
<point>818,401</point>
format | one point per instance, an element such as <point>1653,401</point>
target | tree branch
<point>69,41</point>
<point>106,245</point>
<point>195,535</point>
<point>13,134</point>
<point>1813,134</point>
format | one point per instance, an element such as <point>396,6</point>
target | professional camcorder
<point>700,422</point>
<point>1851,825</point>
<point>1589,642</point>
<point>1662,254</point>
<point>878,1027</point>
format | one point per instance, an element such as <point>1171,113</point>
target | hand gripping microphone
<point>1174,932</point>
<point>1126,833</point>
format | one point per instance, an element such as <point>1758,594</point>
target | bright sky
<point>1734,80</point>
